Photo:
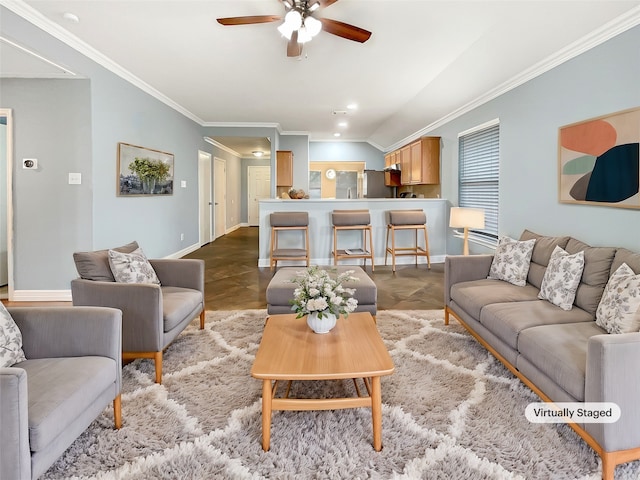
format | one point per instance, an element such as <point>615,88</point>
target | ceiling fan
<point>300,26</point>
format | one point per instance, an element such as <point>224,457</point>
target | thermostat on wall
<point>30,163</point>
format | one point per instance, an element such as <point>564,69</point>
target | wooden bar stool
<point>345,220</point>
<point>407,220</point>
<point>288,221</point>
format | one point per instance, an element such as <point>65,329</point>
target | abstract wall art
<point>599,160</point>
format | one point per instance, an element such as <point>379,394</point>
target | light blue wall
<point>117,111</point>
<point>347,152</point>
<point>598,82</point>
<point>52,123</point>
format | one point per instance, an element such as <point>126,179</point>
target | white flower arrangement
<point>318,292</point>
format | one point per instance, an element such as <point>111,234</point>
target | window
<point>479,175</point>
<point>315,184</point>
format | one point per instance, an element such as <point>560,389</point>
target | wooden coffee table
<point>290,350</point>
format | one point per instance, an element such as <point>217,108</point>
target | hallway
<point>234,282</point>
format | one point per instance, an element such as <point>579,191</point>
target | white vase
<point>321,325</point>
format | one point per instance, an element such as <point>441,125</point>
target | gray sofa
<point>72,372</point>
<point>562,355</point>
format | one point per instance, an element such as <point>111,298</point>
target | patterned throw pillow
<point>10,340</point>
<point>619,308</point>
<point>511,261</point>
<point>132,267</point>
<point>562,277</point>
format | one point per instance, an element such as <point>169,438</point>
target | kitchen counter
<point>321,232</point>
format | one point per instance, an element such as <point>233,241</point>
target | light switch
<point>183,183</point>
<point>75,178</point>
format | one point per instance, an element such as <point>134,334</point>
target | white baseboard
<point>185,251</point>
<point>41,296</point>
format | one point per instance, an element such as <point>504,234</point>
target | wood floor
<point>234,282</point>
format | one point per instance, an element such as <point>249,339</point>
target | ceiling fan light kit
<point>300,26</point>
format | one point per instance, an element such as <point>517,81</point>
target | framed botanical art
<point>599,160</point>
<point>144,171</point>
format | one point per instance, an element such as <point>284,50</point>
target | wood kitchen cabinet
<point>405,165</point>
<point>419,161</point>
<point>284,168</point>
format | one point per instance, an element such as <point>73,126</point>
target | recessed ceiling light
<point>337,134</point>
<point>352,106</point>
<point>71,17</point>
<point>257,153</point>
<point>343,124</point>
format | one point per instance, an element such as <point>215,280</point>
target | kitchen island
<point>321,232</point>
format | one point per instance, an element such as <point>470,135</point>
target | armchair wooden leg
<point>202,320</point>
<point>117,411</point>
<point>157,359</point>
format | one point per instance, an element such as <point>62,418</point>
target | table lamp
<point>466,218</point>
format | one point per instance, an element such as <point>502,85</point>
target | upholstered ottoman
<point>280,289</point>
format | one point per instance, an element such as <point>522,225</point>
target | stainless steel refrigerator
<point>373,185</point>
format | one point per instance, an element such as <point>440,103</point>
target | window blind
<point>479,175</point>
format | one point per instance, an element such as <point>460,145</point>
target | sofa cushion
<point>507,320</point>
<point>623,255</point>
<point>60,389</point>
<point>132,267</point>
<point>95,265</point>
<point>541,254</point>
<point>560,352</point>
<point>10,340</point>
<point>561,278</point>
<point>177,303</point>
<point>511,261</point>
<point>597,268</point>
<point>474,295</point>
<point>619,309</point>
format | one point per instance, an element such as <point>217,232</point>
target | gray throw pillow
<point>95,265</point>
<point>132,267</point>
<point>10,340</point>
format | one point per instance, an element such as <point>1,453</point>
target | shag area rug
<point>450,411</point>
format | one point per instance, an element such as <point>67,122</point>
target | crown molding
<point>243,125</point>
<point>593,39</point>
<point>221,146</point>
<point>27,12</point>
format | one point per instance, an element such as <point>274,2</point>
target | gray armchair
<point>152,315</point>
<point>72,372</point>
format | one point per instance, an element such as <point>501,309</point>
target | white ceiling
<point>425,60</point>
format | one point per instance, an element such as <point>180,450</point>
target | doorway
<point>219,197</point>
<point>205,200</point>
<point>259,187</point>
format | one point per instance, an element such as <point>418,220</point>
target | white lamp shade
<point>286,31</point>
<point>293,19</point>
<point>313,26</point>
<point>466,217</point>
<point>303,35</point>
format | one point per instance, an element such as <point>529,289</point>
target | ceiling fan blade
<point>344,30</point>
<point>326,3</point>
<point>294,49</point>
<point>249,20</point>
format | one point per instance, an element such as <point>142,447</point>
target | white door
<point>204,196</point>
<point>219,197</point>
<point>259,187</point>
